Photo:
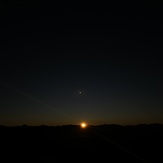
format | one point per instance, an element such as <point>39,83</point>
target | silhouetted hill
<point>109,143</point>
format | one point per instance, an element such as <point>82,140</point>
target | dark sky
<point>111,53</point>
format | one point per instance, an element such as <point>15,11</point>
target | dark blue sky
<point>112,56</point>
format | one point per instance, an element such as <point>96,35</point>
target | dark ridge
<point>130,143</point>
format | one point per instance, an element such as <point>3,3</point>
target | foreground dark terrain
<point>105,143</point>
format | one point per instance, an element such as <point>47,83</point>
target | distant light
<point>80,93</point>
<point>83,125</point>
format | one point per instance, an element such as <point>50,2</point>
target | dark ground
<point>105,143</point>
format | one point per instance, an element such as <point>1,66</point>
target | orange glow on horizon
<point>83,125</point>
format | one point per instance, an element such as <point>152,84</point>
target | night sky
<point>66,63</point>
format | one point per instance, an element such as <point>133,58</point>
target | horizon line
<point>104,124</point>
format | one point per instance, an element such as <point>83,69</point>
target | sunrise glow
<point>83,125</point>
